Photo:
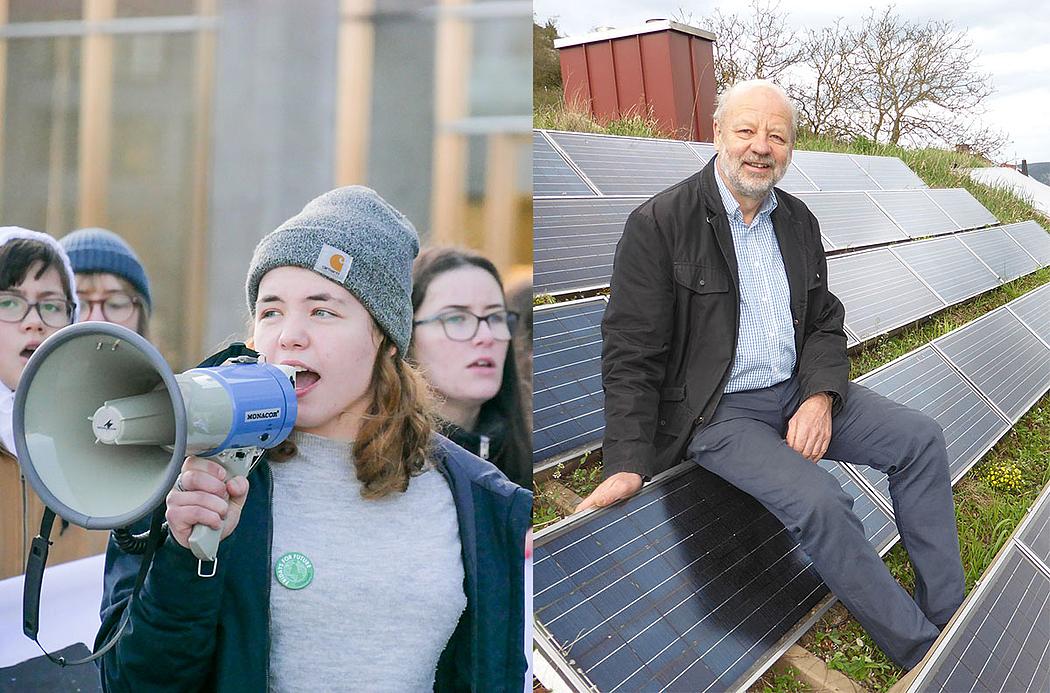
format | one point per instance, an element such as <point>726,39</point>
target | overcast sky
<point>1013,37</point>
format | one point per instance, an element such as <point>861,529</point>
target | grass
<point>993,497</point>
<point>772,682</point>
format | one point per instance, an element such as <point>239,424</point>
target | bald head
<point>744,92</point>
<point>754,134</point>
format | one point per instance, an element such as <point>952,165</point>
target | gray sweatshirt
<point>386,590</point>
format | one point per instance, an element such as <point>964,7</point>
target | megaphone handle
<point>204,540</point>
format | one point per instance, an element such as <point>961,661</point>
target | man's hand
<point>618,487</point>
<point>809,430</point>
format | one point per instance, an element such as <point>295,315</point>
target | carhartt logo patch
<point>333,263</point>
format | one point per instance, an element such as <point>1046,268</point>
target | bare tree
<point>757,45</point>
<point>914,80</point>
<point>827,89</point>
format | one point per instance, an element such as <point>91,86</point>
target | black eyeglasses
<point>116,307</point>
<point>53,312</point>
<point>461,326</point>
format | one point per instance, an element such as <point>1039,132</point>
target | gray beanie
<point>355,238</point>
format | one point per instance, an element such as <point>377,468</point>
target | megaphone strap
<point>35,573</point>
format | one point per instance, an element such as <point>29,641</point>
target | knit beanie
<point>353,237</point>
<point>99,250</point>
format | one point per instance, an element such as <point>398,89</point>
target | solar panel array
<point>881,289</point>
<point>1000,252</point>
<point>1000,640</point>
<point>692,585</point>
<point>644,166</point>
<point>574,240</point>
<point>586,185</point>
<point>551,173</point>
<point>567,400</point>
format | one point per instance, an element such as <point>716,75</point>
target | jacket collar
<point>786,226</point>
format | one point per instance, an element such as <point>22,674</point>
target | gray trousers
<point>744,444</point>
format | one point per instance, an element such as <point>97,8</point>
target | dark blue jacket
<point>192,633</point>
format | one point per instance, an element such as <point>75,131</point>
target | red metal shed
<point>662,67</point>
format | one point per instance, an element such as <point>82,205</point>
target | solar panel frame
<point>948,267</point>
<point>1032,309</point>
<point>888,171</point>
<point>997,375</point>
<point>868,506</point>
<point>962,207</point>
<point>1033,533</point>
<point>1033,238</point>
<point>578,325</point>
<point>914,212</point>
<point>627,166</point>
<point>851,219</point>
<point>1001,253</point>
<point>829,171</point>
<point>873,286</point>
<point>704,151</point>
<point>929,368</point>
<point>794,181</point>
<point>552,174</point>
<point>977,609</point>
<point>574,240</point>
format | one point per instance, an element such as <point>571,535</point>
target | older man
<point>723,345</point>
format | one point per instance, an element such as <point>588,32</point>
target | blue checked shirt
<point>765,345</point>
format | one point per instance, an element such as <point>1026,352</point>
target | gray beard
<point>731,170</point>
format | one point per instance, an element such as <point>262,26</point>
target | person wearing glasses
<point>461,341</point>
<point>364,553</point>
<point>110,281</point>
<point>36,300</point>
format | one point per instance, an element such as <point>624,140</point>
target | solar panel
<point>568,401</point>
<point>948,266</point>
<point>683,587</point>
<point>879,528</point>
<point>794,182</point>
<point>574,241</point>
<point>1033,238</point>
<point>1002,358</point>
<point>628,165</point>
<point>923,380</point>
<point>833,171</point>
<point>1003,641</point>
<point>704,150</point>
<point>914,212</point>
<point>888,171</point>
<point>1036,532</point>
<point>551,176</point>
<point>1034,310</point>
<point>1000,252</point>
<point>962,207</point>
<point>879,292</point>
<point>851,219</point>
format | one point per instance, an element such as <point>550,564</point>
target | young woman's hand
<point>203,495</point>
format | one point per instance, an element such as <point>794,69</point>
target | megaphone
<point>102,424</point>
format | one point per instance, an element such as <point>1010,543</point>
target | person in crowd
<point>36,300</point>
<point>111,282</point>
<point>365,553</point>
<point>462,344</point>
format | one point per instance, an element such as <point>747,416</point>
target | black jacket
<point>187,633</point>
<point>670,329</point>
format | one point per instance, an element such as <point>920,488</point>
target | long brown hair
<point>393,442</point>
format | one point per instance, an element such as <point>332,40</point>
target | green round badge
<point>294,570</point>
